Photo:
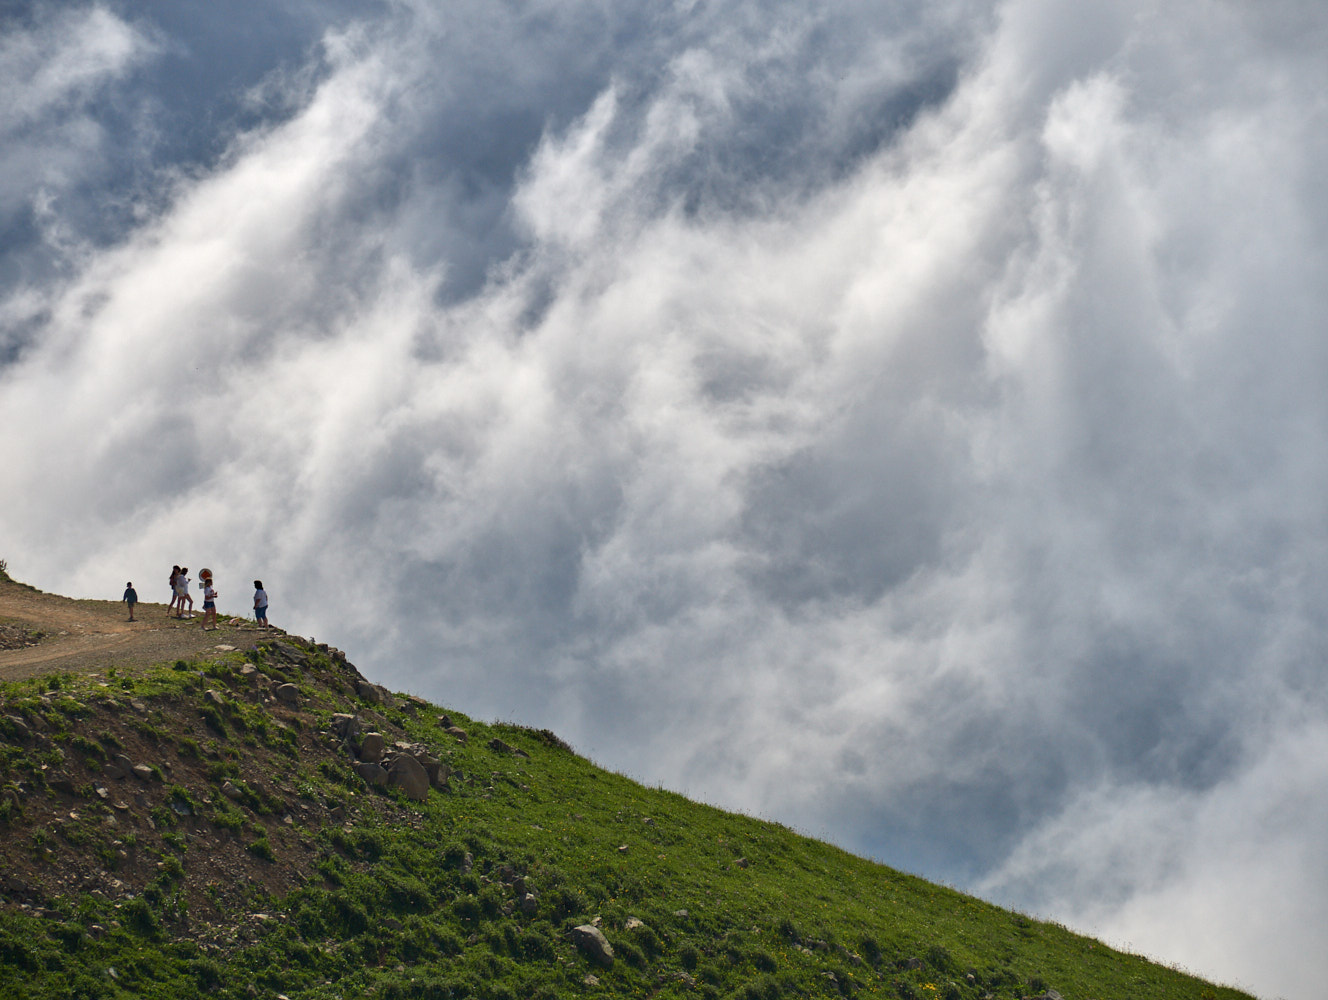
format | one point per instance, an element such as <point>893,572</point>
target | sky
<point>904,422</point>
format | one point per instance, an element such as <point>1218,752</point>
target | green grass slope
<point>248,858</point>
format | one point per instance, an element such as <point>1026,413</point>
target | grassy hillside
<point>200,828</point>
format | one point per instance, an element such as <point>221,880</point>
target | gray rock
<point>375,694</point>
<point>374,774</point>
<point>529,904</point>
<point>409,774</point>
<point>231,791</point>
<point>213,697</point>
<point>461,735</point>
<point>288,694</point>
<point>371,748</point>
<point>593,944</point>
<point>145,773</point>
<point>434,768</point>
<point>20,727</point>
<point>347,727</point>
<point>290,653</point>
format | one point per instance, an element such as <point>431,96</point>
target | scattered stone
<point>444,722</point>
<point>288,694</point>
<point>460,734</point>
<point>682,914</point>
<point>741,862</point>
<point>409,774</point>
<point>622,848</point>
<point>248,670</point>
<point>434,768</point>
<point>371,748</point>
<point>374,774</point>
<point>346,726</point>
<point>593,944</point>
<point>231,791</point>
<point>633,923</point>
<point>591,981</point>
<point>337,813</point>
<point>144,773</point>
<point>225,649</point>
<point>61,784</point>
<point>290,653</point>
<point>138,706</point>
<point>529,904</point>
<point>375,693</point>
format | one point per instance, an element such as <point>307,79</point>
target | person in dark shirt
<point>130,598</point>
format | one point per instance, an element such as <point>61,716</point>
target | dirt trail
<point>51,634</point>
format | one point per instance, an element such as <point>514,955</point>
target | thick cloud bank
<point>907,423</point>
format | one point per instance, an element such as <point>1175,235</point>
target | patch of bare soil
<point>46,633</point>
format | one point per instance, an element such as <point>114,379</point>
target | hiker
<point>175,594</point>
<point>209,600</point>
<point>260,603</point>
<point>130,598</point>
<point>182,593</point>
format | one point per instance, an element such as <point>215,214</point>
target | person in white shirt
<point>260,603</point>
<point>182,592</point>
<point>209,601</point>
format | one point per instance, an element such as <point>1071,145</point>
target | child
<point>209,600</point>
<point>130,598</point>
<point>260,603</point>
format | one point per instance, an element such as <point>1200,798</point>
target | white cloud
<point>927,452</point>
